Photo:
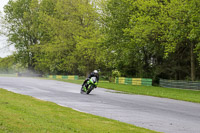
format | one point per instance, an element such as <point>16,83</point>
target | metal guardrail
<point>133,81</point>
<point>180,84</point>
<point>72,77</point>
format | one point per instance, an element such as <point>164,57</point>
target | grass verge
<point>172,93</point>
<point>19,113</point>
<point>8,75</point>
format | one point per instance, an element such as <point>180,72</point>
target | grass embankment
<point>172,93</point>
<point>19,113</point>
<point>8,75</point>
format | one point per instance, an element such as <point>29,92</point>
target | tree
<point>133,31</point>
<point>147,35</point>
<point>115,18</point>
<point>182,20</point>
<point>49,35</point>
<point>70,37</point>
<point>145,30</point>
<point>7,65</point>
<point>21,17</point>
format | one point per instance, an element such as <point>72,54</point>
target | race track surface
<point>159,114</point>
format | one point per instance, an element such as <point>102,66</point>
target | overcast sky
<point>2,3</point>
<point>4,49</point>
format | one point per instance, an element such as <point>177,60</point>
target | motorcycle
<point>89,86</point>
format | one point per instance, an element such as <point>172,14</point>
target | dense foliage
<point>54,36</point>
<point>8,65</point>
<point>154,38</point>
<point>137,38</point>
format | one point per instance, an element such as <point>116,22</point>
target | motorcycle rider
<point>92,74</point>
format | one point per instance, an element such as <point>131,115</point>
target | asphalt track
<point>159,114</point>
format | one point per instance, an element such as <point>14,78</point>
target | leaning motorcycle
<point>89,86</point>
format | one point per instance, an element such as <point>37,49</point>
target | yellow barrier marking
<point>136,81</point>
<point>59,76</point>
<point>121,80</point>
<point>71,77</point>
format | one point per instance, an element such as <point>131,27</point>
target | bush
<point>115,73</point>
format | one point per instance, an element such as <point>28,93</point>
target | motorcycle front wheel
<point>90,89</point>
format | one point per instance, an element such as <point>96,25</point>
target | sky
<point>4,49</point>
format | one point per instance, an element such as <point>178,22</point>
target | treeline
<point>7,65</point>
<point>133,38</point>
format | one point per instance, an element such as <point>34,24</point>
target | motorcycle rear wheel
<point>82,90</point>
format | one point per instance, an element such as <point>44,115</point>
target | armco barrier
<point>136,81</point>
<point>146,82</point>
<point>133,81</point>
<point>180,84</point>
<point>71,77</point>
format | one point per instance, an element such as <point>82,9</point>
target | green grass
<point>24,114</point>
<point>172,93</point>
<point>8,75</point>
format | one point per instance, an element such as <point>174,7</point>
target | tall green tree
<point>145,30</point>
<point>115,18</point>
<point>182,18</point>
<point>153,38</point>
<point>133,32</point>
<point>70,37</point>
<point>22,27</point>
<point>88,53</point>
<point>54,36</point>
<point>7,65</point>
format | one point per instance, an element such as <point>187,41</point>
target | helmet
<point>95,71</point>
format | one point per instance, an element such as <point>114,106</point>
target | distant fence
<point>133,81</point>
<point>180,84</point>
<point>72,77</point>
